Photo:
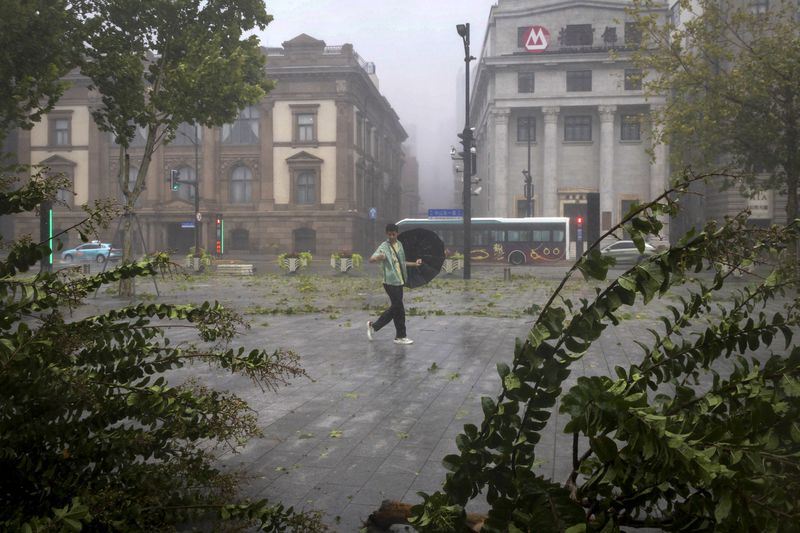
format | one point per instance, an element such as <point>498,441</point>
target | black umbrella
<point>426,245</point>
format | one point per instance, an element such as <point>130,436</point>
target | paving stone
<point>375,419</point>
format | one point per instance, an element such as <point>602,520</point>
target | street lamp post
<point>197,200</point>
<point>196,184</point>
<point>466,140</point>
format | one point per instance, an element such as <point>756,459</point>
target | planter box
<point>451,265</point>
<point>343,264</point>
<point>293,264</point>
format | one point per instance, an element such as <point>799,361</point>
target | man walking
<point>393,258</point>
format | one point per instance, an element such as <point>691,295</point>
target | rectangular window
<point>518,236</point>
<point>306,188</point>
<point>578,128</point>
<point>480,237</point>
<point>579,80</point>
<point>59,128</point>
<point>578,35</point>
<point>65,196</point>
<point>541,235</point>
<point>526,129</point>
<point>633,79</point>
<point>360,131</point>
<point>305,127</point>
<point>61,133</point>
<point>525,82</point>
<point>633,35</point>
<point>631,128</point>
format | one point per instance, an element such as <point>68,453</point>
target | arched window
<point>306,192</point>
<point>241,185</point>
<point>304,240</point>
<point>244,130</point>
<point>186,190</point>
<point>240,239</point>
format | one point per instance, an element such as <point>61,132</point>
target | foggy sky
<point>417,55</point>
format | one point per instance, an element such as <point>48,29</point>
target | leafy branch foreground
<point>93,436</point>
<point>701,434</point>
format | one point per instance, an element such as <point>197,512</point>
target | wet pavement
<point>376,418</point>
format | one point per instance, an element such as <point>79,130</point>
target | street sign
<point>187,225</point>
<point>373,213</point>
<point>445,213</point>
<point>536,39</point>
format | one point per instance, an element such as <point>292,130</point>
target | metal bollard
<point>506,273</point>
<point>86,268</point>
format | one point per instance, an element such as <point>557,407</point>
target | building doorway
<point>305,240</point>
<point>180,239</point>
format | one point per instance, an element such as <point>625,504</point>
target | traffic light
<point>46,233</point>
<point>579,220</point>
<point>220,228</point>
<point>174,180</point>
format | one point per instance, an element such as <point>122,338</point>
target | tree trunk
<point>127,287</point>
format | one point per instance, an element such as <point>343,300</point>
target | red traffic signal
<point>579,220</point>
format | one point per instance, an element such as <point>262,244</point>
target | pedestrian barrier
<point>235,269</point>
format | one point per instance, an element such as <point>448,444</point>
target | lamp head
<point>461,29</point>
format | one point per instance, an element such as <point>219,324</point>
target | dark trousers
<point>395,312</point>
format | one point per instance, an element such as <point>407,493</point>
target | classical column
<point>549,186</point>
<point>501,199</point>
<point>345,174</point>
<point>606,187</point>
<point>266,177</point>
<point>658,164</point>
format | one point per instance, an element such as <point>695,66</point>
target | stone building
<point>554,80</point>
<point>298,171</point>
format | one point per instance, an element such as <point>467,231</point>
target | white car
<point>91,251</point>
<point>626,251</point>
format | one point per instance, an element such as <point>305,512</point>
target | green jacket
<point>394,266</point>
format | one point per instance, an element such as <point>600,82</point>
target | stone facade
<point>297,171</point>
<point>561,70</point>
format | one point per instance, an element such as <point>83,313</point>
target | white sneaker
<point>370,330</point>
<point>404,340</point>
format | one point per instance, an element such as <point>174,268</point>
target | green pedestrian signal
<point>174,181</point>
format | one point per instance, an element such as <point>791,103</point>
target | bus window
<point>498,235</point>
<point>558,235</point>
<point>541,235</point>
<point>480,237</point>
<point>518,235</point>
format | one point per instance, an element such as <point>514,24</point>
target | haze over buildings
<point>417,55</point>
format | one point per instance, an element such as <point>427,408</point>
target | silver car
<point>626,251</point>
